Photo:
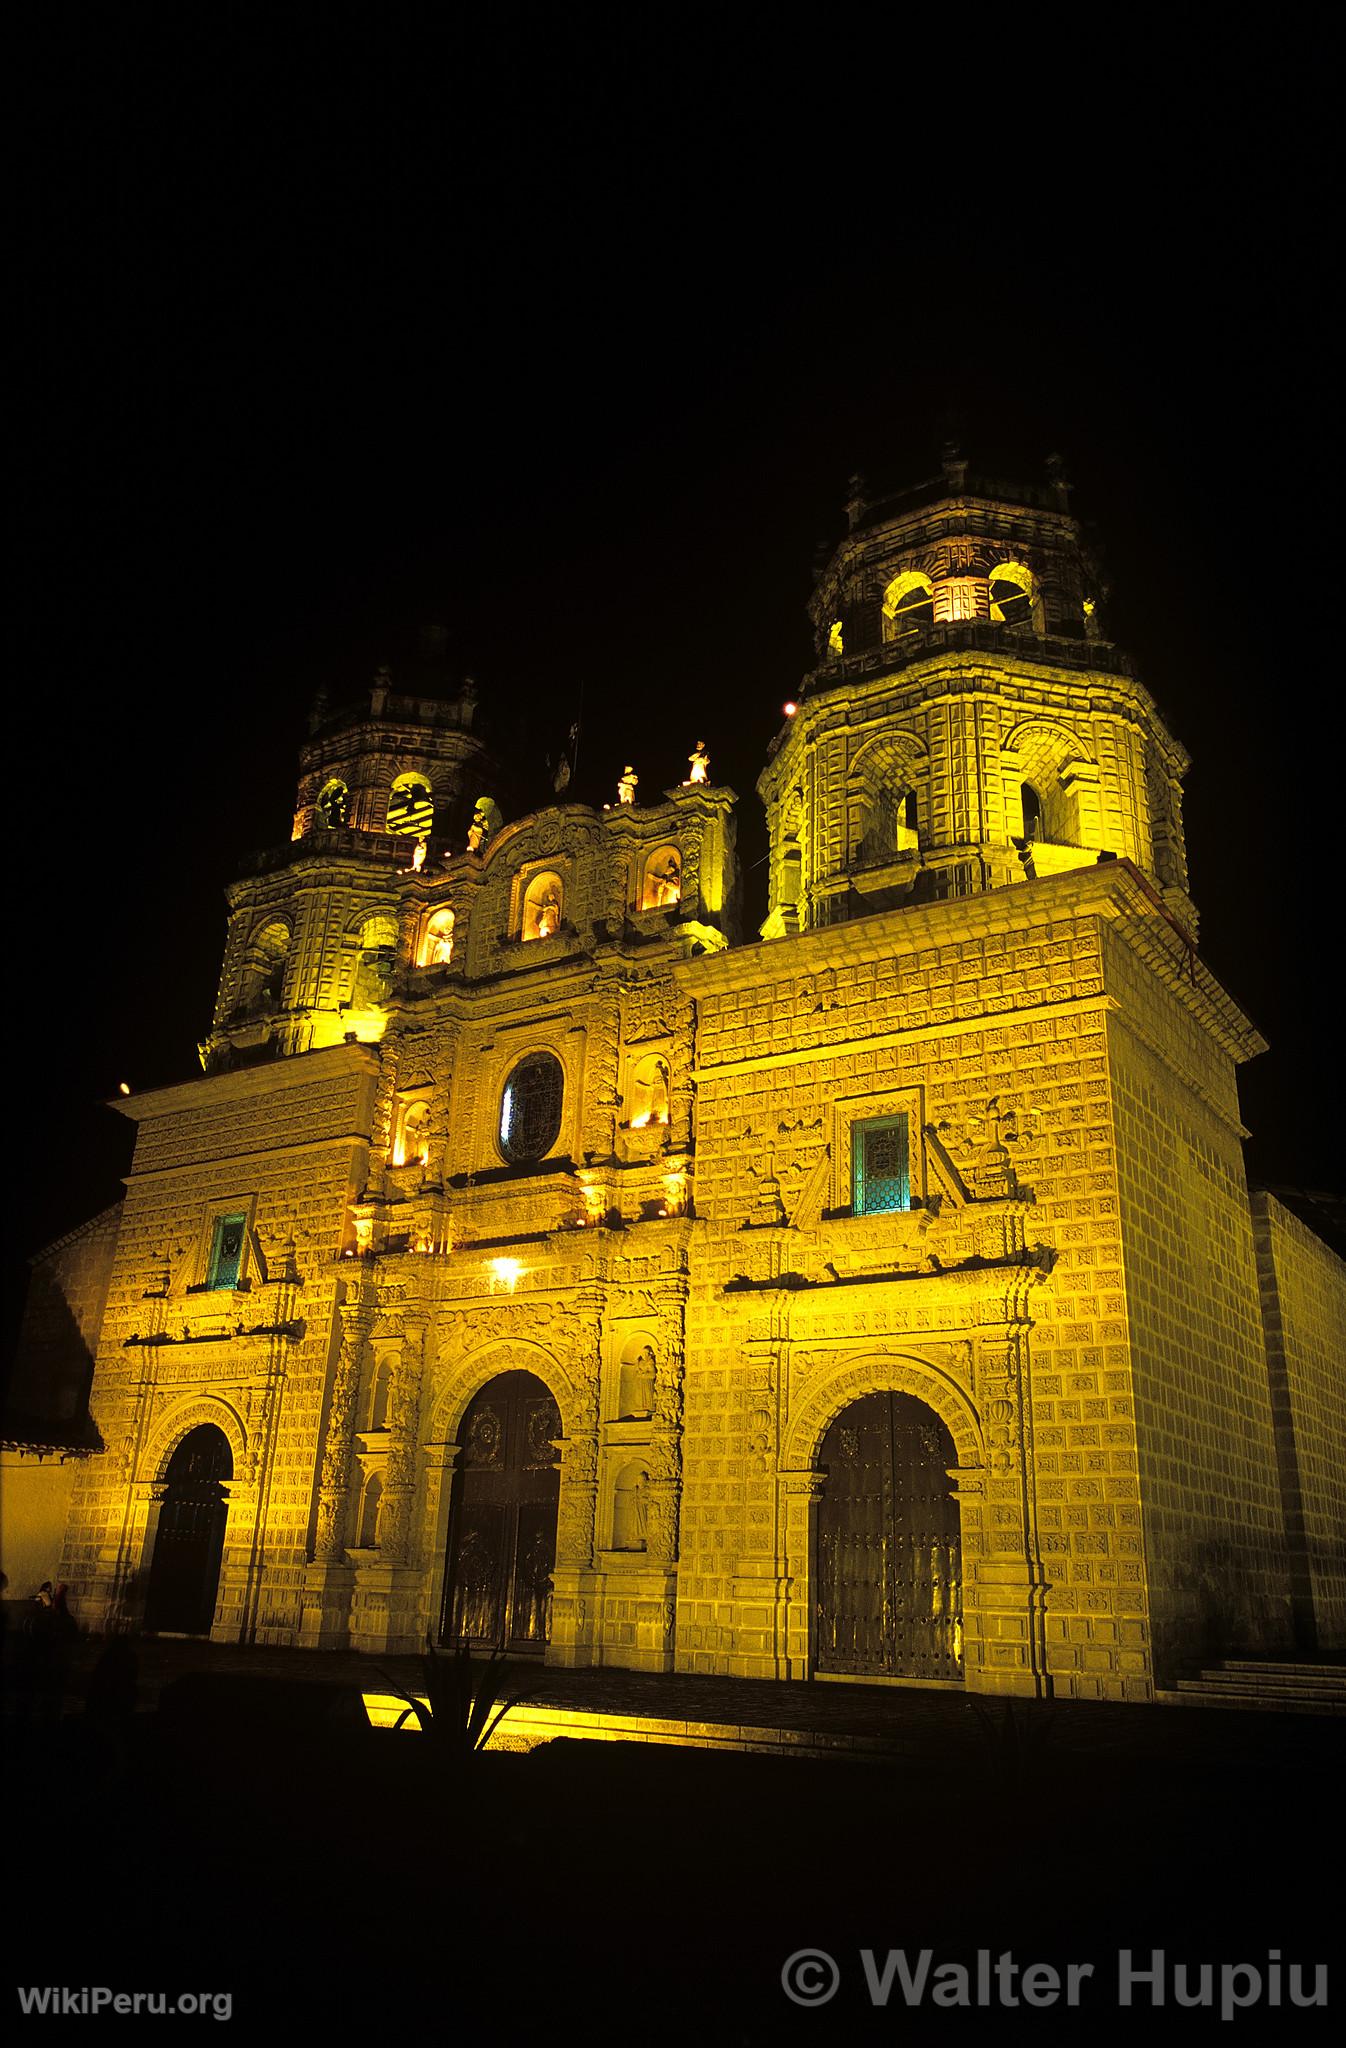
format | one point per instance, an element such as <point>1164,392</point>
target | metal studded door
<point>189,1542</point>
<point>502,1541</point>
<point>889,1556</point>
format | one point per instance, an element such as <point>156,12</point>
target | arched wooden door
<point>888,1564</point>
<point>502,1533</point>
<point>189,1541</point>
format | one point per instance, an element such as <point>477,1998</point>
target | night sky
<point>571,346</point>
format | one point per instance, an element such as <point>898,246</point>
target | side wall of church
<point>1303,1290</point>
<point>53,1369</point>
<point>35,1495</point>
<point>1214,1540</point>
<point>62,1317</point>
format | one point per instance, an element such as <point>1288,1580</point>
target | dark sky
<point>571,344</point>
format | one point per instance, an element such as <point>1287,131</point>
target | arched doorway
<point>189,1540</point>
<point>888,1567</point>
<point>502,1532</point>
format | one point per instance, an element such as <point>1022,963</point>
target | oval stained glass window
<point>530,1108</point>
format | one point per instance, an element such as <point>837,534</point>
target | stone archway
<point>887,1565</point>
<point>836,1383</point>
<point>502,1522</point>
<point>188,1539</point>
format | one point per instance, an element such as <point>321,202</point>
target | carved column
<point>334,1475</point>
<point>800,1490</point>
<point>664,1496</point>
<point>579,1483</point>
<point>680,1082</point>
<point>1006,1593</point>
<point>404,1407</point>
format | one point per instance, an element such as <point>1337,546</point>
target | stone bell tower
<point>969,724</point>
<point>386,785</point>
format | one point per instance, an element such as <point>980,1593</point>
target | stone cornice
<point>927,671</point>
<point>1112,890</point>
<point>245,1084</point>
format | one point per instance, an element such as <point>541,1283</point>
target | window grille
<point>226,1251</point>
<point>530,1108</point>
<point>880,1167</point>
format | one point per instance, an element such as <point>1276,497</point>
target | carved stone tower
<point>313,926</point>
<point>968,725</point>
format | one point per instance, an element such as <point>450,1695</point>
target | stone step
<point>1248,1702</point>
<point>1214,1681</point>
<point>1265,1688</point>
<point>1333,1674</point>
<point>1191,1694</point>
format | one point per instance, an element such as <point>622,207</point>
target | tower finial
<point>1059,481</point>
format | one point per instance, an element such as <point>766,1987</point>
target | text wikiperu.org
<point>1141,1977</point>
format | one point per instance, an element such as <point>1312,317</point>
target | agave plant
<point>1015,1734</point>
<point>461,1702</point>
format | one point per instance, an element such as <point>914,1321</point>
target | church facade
<point>539,1263</point>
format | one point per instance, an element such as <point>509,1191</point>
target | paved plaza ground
<point>328,1875</point>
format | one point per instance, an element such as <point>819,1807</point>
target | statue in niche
<point>664,884</point>
<point>630,1511</point>
<point>439,939</point>
<point>626,785</point>
<point>543,905</point>
<point>649,1090</point>
<point>635,1396</point>
<point>698,762</point>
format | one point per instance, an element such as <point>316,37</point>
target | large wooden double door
<point>888,1563</point>
<point>502,1534</point>
<point>189,1541</point>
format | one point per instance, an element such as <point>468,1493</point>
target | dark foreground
<point>325,1876</point>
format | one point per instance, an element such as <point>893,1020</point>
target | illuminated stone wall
<point>1303,1289</point>
<point>285,1147</point>
<point>1023,1301</point>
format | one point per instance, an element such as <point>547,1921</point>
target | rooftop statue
<point>486,822</point>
